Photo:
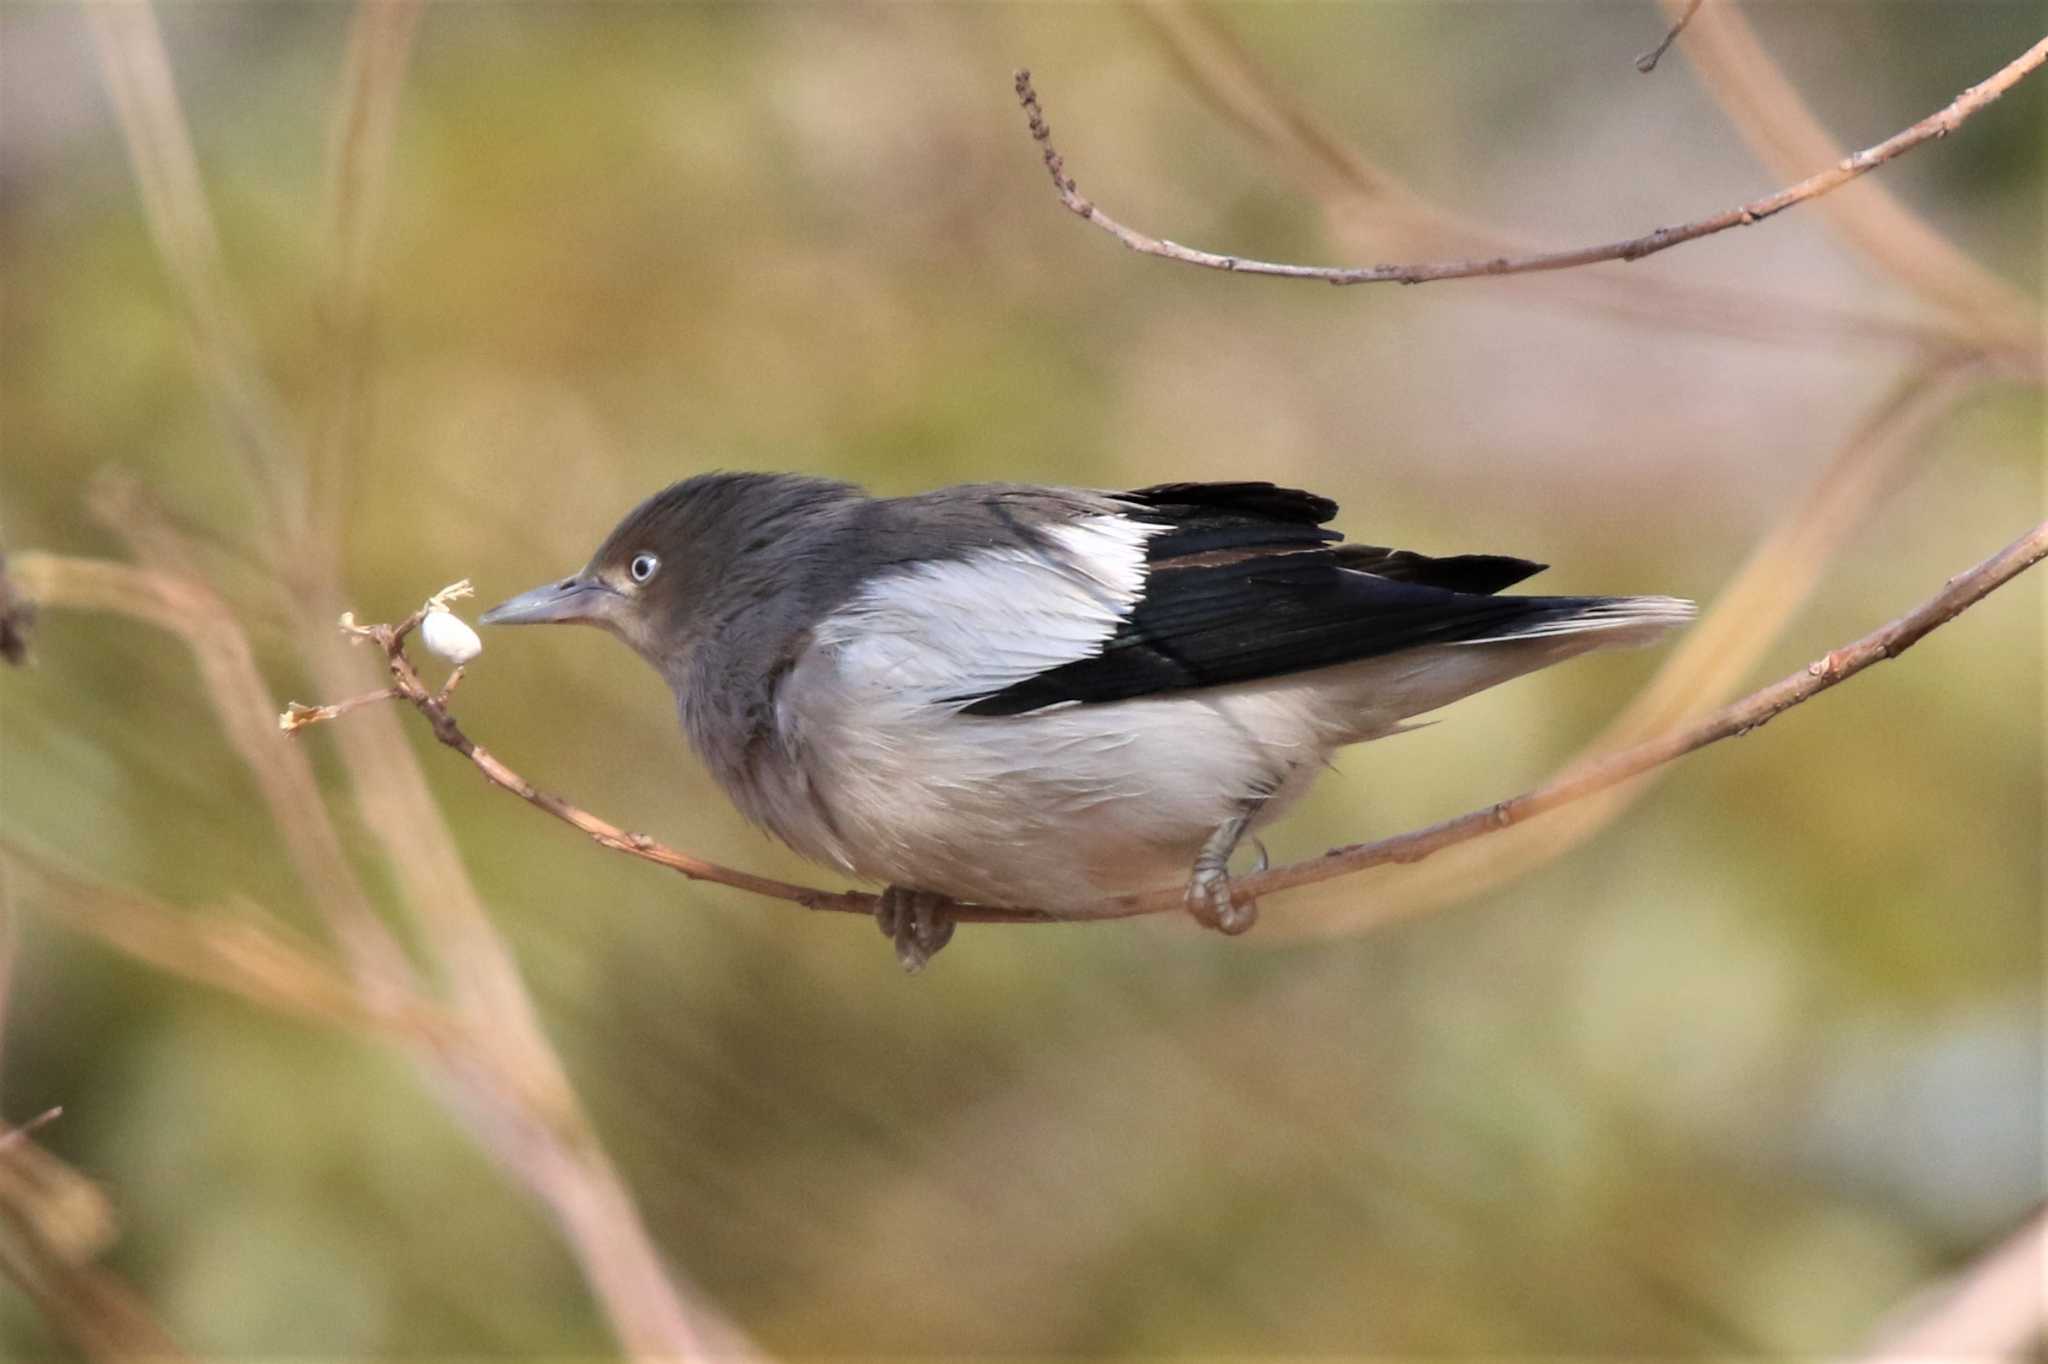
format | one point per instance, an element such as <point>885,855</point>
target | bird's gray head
<point>691,559</point>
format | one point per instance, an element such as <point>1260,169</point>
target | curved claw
<point>1210,900</point>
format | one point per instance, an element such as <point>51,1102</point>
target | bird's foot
<point>1214,905</point>
<point>1210,898</point>
<point>916,921</point>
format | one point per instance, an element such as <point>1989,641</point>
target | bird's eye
<point>643,566</point>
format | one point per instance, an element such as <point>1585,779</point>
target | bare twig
<point>652,1313</point>
<point>1786,136</point>
<point>138,77</point>
<point>1583,780</point>
<point>54,1225</point>
<point>1938,124</point>
<point>358,173</point>
<point>1371,209</point>
<point>1647,62</point>
<point>1705,667</point>
<point>190,609</point>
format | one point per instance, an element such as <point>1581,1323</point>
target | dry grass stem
<point>1786,137</point>
<point>138,77</point>
<point>1935,125</point>
<point>54,1225</point>
<point>358,177</point>
<point>557,1157</point>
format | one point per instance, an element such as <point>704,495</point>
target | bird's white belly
<point>1057,809</point>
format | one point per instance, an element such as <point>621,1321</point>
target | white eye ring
<point>643,566</point>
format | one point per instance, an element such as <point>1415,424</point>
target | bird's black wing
<point>1245,582</point>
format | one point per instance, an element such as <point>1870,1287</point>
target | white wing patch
<point>959,629</point>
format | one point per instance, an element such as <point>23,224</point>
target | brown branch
<point>1648,61</point>
<point>1936,125</point>
<point>1705,668</point>
<point>1732,721</point>
<point>55,1224</point>
<point>1587,779</point>
<point>1767,109</point>
<point>1370,208</point>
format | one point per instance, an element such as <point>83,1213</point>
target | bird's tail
<point>1608,621</point>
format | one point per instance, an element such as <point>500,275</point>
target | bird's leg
<point>916,921</point>
<point>1209,897</point>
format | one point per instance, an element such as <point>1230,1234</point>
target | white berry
<point>449,636</point>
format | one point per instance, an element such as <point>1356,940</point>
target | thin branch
<point>1732,721</point>
<point>1939,124</point>
<point>1647,62</point>
<point>1370,208</point>
<point>54,1225</point>
<point>159,141</point>
<point>188,608</point>
<point>1786,136</point>
<point>1752,712</point>
<point>1705,667</point>
<point>359,158</point>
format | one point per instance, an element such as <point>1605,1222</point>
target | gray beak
<point>572,599</point>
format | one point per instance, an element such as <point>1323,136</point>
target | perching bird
<point>1041,696</point>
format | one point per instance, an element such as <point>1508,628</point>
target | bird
<point>1011,694</point>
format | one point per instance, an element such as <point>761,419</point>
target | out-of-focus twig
<point>652,1313</point>
<point>1935,125</point>
<point>1994,1308</point>
<point>12,1136</point>
<point>138,76</point>
<point>359,160</point>
<point>54,1225</point>
<point>1647,62</point>
<point>191,610</point>
<point>1770,114</point>
<point>17,618</point>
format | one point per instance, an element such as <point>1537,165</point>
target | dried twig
<point>1586,779</point>
<point>650,1310</point>
<point>1703,670</point>
<point>54,1225</point>
<point>1370,208</point>
<point>1782,130</point>
<point>1939,124</point>
<point>1647,62</point>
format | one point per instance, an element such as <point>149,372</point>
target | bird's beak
<point>580,598</point>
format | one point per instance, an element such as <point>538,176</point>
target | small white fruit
<point>448,635</point>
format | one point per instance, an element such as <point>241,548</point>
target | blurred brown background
<point>1737,1074</point>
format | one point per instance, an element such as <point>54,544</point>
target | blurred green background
<point>1736,1077</point>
